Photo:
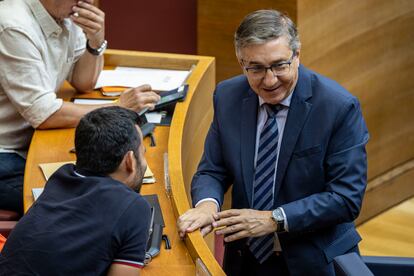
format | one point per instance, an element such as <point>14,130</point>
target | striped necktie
<point>262,247</point>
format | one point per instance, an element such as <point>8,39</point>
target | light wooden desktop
<point>183,142</point>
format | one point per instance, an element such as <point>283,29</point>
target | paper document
<point>92,101</point>
<point>113,91</point>
<point>49,168</point>
<point>154,117</point>
<point>159,79</point>
<point>36,192</point>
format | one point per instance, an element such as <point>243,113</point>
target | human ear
<point>130,161</point>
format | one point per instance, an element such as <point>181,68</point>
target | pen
<point>151,221</point>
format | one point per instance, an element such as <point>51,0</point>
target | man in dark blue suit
<point>292,145</point>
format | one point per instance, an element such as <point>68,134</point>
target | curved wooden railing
<point>189,127</point>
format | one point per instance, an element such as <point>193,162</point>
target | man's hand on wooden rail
<point>200,217</point>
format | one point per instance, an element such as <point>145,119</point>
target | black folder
<point>156,228</point>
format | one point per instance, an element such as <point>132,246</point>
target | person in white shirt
<point>42,44</point>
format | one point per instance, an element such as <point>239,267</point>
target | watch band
<point>99,51</point>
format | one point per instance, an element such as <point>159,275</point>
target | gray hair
<point>264,25</point>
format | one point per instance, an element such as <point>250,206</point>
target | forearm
<point>211,207</point>
<point>68,115</point>
<point>92,21</point>
<point>86,71</point>
<point>206,186</point>
<point>317,211</point>
<point>125,270</point>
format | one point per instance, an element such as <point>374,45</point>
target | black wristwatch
<point>279,218</point>
<point>99,51</point>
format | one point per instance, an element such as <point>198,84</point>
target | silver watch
<point>99,51</point>
<point>279,218</point>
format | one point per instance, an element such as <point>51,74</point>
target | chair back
<point>351,264</point>
<point>384,266</point>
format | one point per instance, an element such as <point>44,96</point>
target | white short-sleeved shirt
<point>36,55</point>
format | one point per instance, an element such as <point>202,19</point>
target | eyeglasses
<point>278,69</point>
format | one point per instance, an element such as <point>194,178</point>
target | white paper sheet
<point>92,101</point>
<point>159,79</point>
<point>36,192</point>
<point>154,117</point>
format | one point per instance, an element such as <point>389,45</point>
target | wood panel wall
<point>368,47</point>
<point>217,20</point>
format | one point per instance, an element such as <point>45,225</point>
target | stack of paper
<point>113,82</point>
<point>148,177</point>
<point>49,168</point>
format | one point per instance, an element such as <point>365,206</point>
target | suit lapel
<point>298,113</point>
<point>248,140</point>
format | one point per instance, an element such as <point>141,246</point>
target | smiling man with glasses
<point>291,143</point>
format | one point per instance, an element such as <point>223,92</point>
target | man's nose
<point>269,78</point>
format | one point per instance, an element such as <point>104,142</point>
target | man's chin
<point>275,97</point>
<point>138,185</point>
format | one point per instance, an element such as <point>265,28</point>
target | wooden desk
<point>54,145</point>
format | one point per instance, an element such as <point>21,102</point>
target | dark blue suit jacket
<point>321,172</point>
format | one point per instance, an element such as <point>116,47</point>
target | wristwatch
<point>279,218</point>
<point>99,51</point>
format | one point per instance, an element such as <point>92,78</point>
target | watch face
<point>277,215</point>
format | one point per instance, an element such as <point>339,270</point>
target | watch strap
<point>99,51</point>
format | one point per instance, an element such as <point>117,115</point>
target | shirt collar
<point>47,23</point>
<point>87,173</point>
<point>285,102</point>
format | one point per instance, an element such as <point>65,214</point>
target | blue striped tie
<point>262,247</point>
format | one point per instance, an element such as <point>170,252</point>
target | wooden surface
<point>390,233</point>
<point>387,190</point>
<point>54,146</point>
<point>367,46</point>
<point>217,20</point>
